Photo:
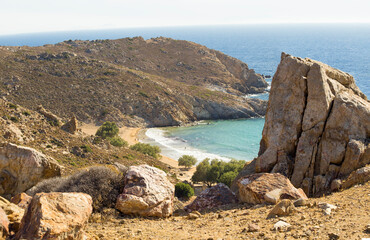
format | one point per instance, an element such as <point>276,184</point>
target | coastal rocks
<point>212,197</point>
<point>56,216</point>
<point>316,126</point>
<point>147,192</point>
<point>267,188</point>
<point>23,167</point>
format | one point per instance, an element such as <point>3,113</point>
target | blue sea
<point>343,46</point>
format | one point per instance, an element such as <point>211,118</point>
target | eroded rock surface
<point>147,192</point>
<point>56,216</point>
<point>23,167</point>
<point>267,188</point>
<point>213,197</point>
<point>317,125</point>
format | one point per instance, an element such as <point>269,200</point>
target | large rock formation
<point>213,197</point>
<point>23,167</point>
<point>147,192</point>
<point>317,125</point>
<point>56,216</point>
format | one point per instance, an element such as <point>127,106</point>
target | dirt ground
<point>348,221</point>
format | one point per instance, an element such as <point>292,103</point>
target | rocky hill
<point>136,82</point>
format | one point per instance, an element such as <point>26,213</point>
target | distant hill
<point>132,81</point>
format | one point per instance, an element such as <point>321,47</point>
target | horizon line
<point>179,26</point>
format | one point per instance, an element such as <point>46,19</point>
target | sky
<point>26,16</point>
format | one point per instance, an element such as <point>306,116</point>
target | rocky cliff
<point>317,125</point>
<point>137,82</point>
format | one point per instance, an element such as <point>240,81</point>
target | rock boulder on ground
<point>4,224</point>
<point>56,216</point>
<point>147,192</point>
<point>283,208</point>
<point>267,188</point>
<point>71,126</point>
<point>21,168</point>
<point>359,176</point>
<point>317,125</point>
<point>213,197</point>
<point>14,214</point>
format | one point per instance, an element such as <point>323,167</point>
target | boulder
<point>4,224</point>
<point>14,214</point>
<point>267,188</point>
<point>147,192</point>
<point>71,125</point>
<point>213,197</point>
<point>359,176</point>
<point>21,168</point>
<point>283,208</point>
<point>21,200</point>
<point>316,126</point>
<point>51,117</point>
<point>281,226</point>
<point>56,216</point>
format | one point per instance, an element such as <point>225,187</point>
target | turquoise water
<point>343,46</point>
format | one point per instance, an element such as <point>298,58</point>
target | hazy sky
<point>21,16</point>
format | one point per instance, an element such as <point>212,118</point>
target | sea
<point>343,46</point>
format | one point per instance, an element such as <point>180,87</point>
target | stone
<point>14,214</point>
<point>367,229</point>
<point>147,192</point>
<point>56,216</point>
<point>359,176</point>
<point>333,236</point>
<point>327,208</point>
<point>71,126</point>
<point>51,117</point>
<point>315,127</point>
<point>283,208</point>
<point>213,197</point>
<point>300,202</point>
<point>253,228</point>
<point>335,185</point>
<point>4,224</point>
<point>194,215</point>
<point>281,226</point>
<point>22,167</point>
<point>21,200</point>
<point>267,188</point>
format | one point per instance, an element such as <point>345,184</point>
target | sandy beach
<point>131,135</point>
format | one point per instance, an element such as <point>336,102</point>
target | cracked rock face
<point>147,193</point>
<point>317,125</point>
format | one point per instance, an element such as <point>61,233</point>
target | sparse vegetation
<point>86,148</point>
<point>217,171</point>
<point>117,141</point>
<point>12,106</point>
<point>14,119</point>
<point>147,149</point>
<point>103,184</point>
<point>183,190</point>
<point>187,161</point>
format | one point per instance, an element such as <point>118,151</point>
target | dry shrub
<point>101,183</point>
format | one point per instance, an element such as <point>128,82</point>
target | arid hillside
<point>157,82</point>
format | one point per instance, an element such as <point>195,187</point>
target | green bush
<point>117,141</point>
<point>146,149</point>
<point>12,106</point>
<point>183,190</point>
<point>107,130</point>
<point>187,161</point>
<point>217,171</point>
<point>101,183</point>
<point>86,148</point>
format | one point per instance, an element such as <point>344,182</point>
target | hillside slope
<point>157,82</point>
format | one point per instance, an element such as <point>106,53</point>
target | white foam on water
<point>176,147</point>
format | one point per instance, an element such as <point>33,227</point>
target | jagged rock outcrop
<point>22,167</point>
<point>4,224</point>
<point>14,214</point>
<point>317,125</point>
<point>147,192</point>
<point>22,200</point>
<point>213,197</point>
<point>71,126</point>
<point>56,216</point>
<point>267,188</point>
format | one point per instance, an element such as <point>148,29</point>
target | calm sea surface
<point>343,46</point>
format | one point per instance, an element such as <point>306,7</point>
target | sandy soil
<point>348,221</point>
<point>131,135</point>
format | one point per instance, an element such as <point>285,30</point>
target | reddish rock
<point>212,198</point>
<point>267,188</point>
<point>56,216</point>
<point>147,192</point>
<point>283,208</point>
<point>4,224</point>
<point>21,200</point>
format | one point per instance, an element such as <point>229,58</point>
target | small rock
<point>367,229</point>
<point>253,228</point>
<point>335,185</point>
<point>283,208</point>
<point>281,226</point>
<point>333,236</point>
<point>300,202</point>
<point>192,216</point>
<point>327,208</point>
<point>21,200</point>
